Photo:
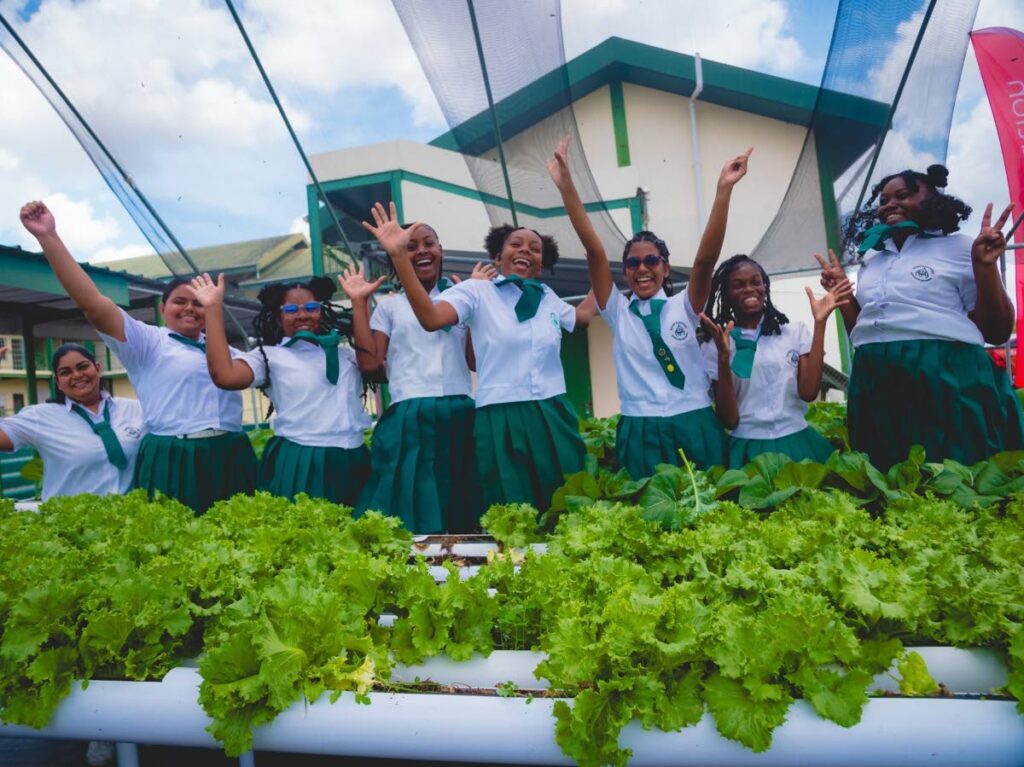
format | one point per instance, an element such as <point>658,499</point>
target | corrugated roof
<point>232,256</point>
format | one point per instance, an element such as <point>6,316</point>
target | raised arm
<point>811,365</point>
<point>832,274</point>
<point>699,287</point>
<point>993,312</point>
<point>726,405</point>
<point>371,348</point>
<point>393,238</point>
<point>102,313</point>
<point>6,445</point>
<point>597,259</point>
<point>225,372</point>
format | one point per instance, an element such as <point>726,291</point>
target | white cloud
<point>300,226</point>
<point>115,253</point>
<point>747,33</point>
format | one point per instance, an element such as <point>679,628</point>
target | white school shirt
<point>919,293</point>
<point>515,361</point>
<point>74,459</point>
<point>173,382</point>
<point>421,363</point>
<point>769,401</point>
<point>644,389</point>
<point>308,409</point>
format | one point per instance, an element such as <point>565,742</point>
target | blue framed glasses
<point>650,261</point>
<point>310,307</point>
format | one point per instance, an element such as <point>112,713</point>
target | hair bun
<point>937,175</point>
<point>322,288</point>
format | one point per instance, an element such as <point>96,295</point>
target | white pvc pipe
<point>248,759</point>
<point>467,550</point>
<point>698,174</point>
<point>894,732</point>
<point>127,755</point>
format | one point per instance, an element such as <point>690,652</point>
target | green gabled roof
<point>847,125</point>
<point>233,256</point>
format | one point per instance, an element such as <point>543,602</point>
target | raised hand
<point>558,165</point>
<point>355,284</point>
<point>389,233</point>
<point>718,334</point>
<point>37,219</point>
<point>734,170</point>
<point>839,295</point>
<point>208,293</point>
<point>990,243</point>
<point>831,271</point>
<point>482,271</point>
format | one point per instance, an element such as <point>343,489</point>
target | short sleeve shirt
<point>308,409</point>
<point>515,361</point>
<point>173,382</point>
<point>644,389</point>
<point>769,401</point>
<point>921,292</point>
<point>421,363</point>
<point>74,459</point>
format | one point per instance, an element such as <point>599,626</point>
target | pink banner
<point>1000,54</point>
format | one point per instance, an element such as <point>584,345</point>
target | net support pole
<point>895,102</point>
<point>698,173</point>
<point>493,111</point>
<point>288,125</point>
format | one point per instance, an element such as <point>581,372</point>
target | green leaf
<point>914,677</point>
<point>739,716</point>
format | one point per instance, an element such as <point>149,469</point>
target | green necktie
<point>875,237</point>
<point>533,292</point>
<point>103,430</point>
<point>652,323</point>
<point>329,343</point>
<point>189,342</point>
<point>442,285</point>
<point>743,360</point>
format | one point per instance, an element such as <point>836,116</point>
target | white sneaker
<point>100,752</point>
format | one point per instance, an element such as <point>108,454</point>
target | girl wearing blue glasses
<point>664,389</point>
<point>423,461</point>
<point>194,449</point>
<point>765,368</point>
<point>314,384</point>
<point>526,430</point>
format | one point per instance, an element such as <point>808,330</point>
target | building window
<point>17,355</point>
<point>19,402</point>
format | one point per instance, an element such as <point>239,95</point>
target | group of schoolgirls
<point>715,356</point>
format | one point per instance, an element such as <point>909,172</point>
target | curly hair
<point>497,236</point>
<point>268,331</point>
<point>722,312</point>
<point>647,236</point>
<point>937,211</point>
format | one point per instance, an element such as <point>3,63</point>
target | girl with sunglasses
<point>765,368</point>
<point>194,449</point>
<point>422,457</point>
<point>662,382</point>
<point>314,384</point>
<point>87,439</point>
<point>526,431</point>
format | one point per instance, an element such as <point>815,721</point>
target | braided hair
<point>938,210</point>
<point>497,236</point>
<point>722,312</point>
<point>266,326</point>
<point>647,236</point>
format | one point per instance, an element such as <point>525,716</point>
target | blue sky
<point>173,92</point>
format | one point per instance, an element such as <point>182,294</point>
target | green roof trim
<point>29,271</point>
<point>847,124</point>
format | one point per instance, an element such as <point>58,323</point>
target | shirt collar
<point>660,294</point>
<point>104,396</point>
<point>167,331</point>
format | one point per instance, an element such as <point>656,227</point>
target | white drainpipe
<point>695,140</point>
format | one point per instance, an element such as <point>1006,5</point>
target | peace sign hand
<point>355,284</point>
<point>831,271</point>
<point>389,233</point>
<point>718,334</point>
<point>990,243</point>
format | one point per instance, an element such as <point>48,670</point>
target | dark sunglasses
<point>650,261</point>
<point>311,307</point>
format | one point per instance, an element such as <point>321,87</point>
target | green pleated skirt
<point>642,442</point>
<point>945,395</point>
<point>525,449</point>
<point>424,466</point>
<point>806,443</point>
<point>197,472</point>
<point>334,473</point>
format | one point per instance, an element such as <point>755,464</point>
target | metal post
<point>698,174</point>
